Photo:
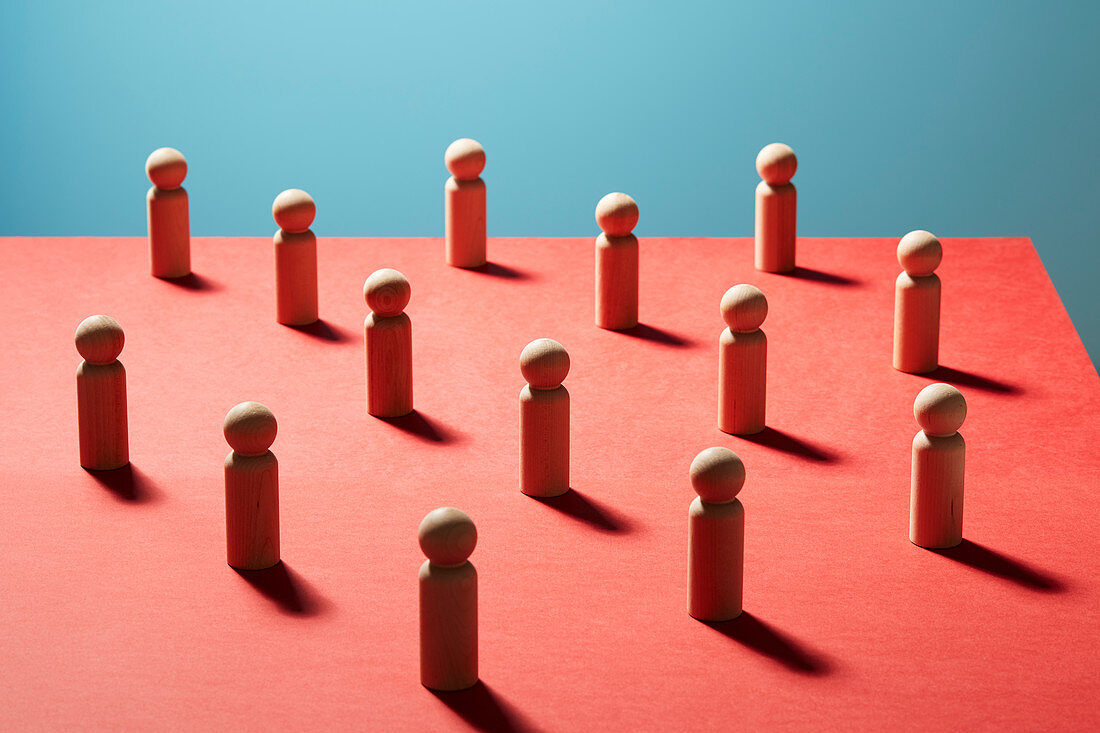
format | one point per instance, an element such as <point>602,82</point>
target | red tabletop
<point>118,610</point>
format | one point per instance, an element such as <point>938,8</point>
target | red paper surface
<point>118,610</point>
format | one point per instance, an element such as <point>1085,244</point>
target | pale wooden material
<point>251,488</point>
<point>617,263</point>
<point>544,419</point>
<point>742,362</point>
<point>464,204</point>
<point>448,601</point>
<point>716,536</point>
<point>917,304</point>
<point>295,259</point>
<point>939,455</point>
<point>776,209</point>
<point>101,395</point>
<point>168,216</point>
<point>388,337</point>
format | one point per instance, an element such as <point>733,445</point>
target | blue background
<point>964,118</point>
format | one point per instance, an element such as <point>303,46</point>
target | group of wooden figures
<point>448,581</point>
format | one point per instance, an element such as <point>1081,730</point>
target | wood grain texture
<point>448,626</point>
<point>169,232</point>
<point>936,490</point>
<point>776,227</point>
<point>716,552</point>
<point>101,415</point>
<point>389,365</point>
<point>295,277</point>
<point>916,323</point>
<point>464,222</point>
<point>544,441</point>
<point>616,281</point>
<point>252,510</point>
<point>742,381</point>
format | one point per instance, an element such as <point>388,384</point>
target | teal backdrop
<point>963,117</point>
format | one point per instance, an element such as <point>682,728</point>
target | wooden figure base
<point>389,365</point>
<point>776,227</point>
<point>742,381</point>
<point>295,278</point>
<point>544,441</point>
<point>448,626</point>
<point>616,282</point>
<point>252,511</point>
<point>464,222</point>
<point>169,232</point>
<point>916,323</point>
<point>936,491</point>
<point>716,559</point>
<point>101,416</point>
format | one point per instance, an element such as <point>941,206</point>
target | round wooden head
<point>250,429</point>
<point>465,159</point>
<point>166,168</point>
<point>387,292</point>
<point>717,475</point>
<point>940,409</point>
<point>544,363</point>
<point>744,308</point>
<point>776,164</point>
<point>919,253</point>
<point>294,210</point>
<point>99,339</point>
<point>447,536</point>
<point>617,214</point>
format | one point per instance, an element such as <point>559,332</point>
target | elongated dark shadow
<point>194,281</point>
<point>578,506</point>
<point>959,378</point>
<point>818,276</point>
<point>777,439</point>
<point>770,642</point>
<point>322,330</point>
<point>418,424</point>
<point>995,563</point>
<point>651,333</point>
<point>127,484</point>
<point>495,269</point>
<point>485,710</point>
<point>286,589</point>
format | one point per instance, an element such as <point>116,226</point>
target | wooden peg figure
<point>169,220</point>
<point>776,209</point>
<point>544,419</point>
<point>101,395</point>
<point>617,263</point>
<point>716,536</point>
<point>295,258</point>
<point>742,362</point>
<point>388,337</point>
<point>917,304</point>
<point>251,488</point>
<point>464,204</point>
<point>448,601</point>
<point>939,454</point>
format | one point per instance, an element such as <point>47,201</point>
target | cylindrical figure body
<point>389,365</point>
<point>716,559</point>
<point>169,232</point>
<point>936,490</point>
<point>101,415</point>
<point>252,510</point>
<point>464,222</point>
<point>448,626</point>
<point>742,380</point>
<point>544,441</point>
<point>616,281</point>
<point>776,226</point>
<point>916,323</point>
<point>295,277</point>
